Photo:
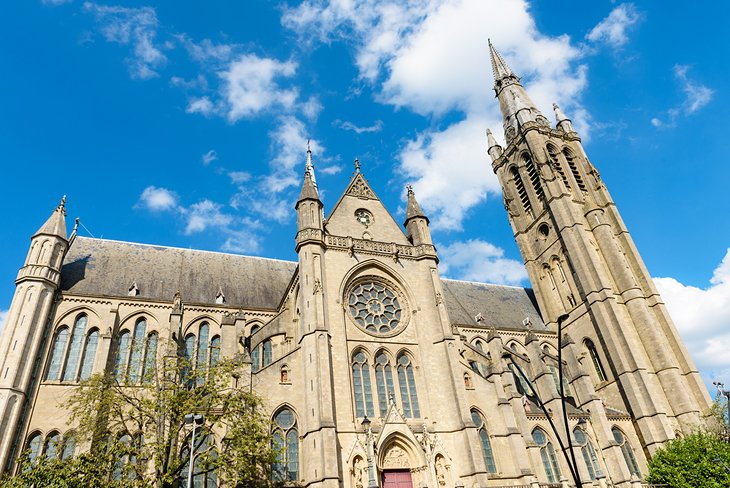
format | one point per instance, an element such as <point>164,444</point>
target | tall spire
<point>309,166</point>
<point>56,223</point>
<point>499,66</point>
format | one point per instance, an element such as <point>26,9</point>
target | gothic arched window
<point>215,350</point>
<point>59,346</point>
<point>589,453</point>
<point>71,365</point>
<point>138,343</point>
<point>52,445</point>
<point>188,354</point>
<point>120,366</point>
<point>286,443</point>
<point>204,454</point>
<point>87,360</point>
<point>547,453</point>
<point>34,446</point>
<point>521,191</point>
<point>627,451</point>
<point>201,361</point>
<point>407,384</point>
<point>69,446</point>
<point>361,385</point>
<point>481,426</point>
<point>534,176</point>
<point>570,158</point>
<point>266,353</point>
<point>384,382</point>
<point>553,155</point>
<point>521,384</point>
<point>596,359</point>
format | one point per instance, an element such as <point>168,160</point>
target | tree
<point>133,424</point>
<point>699,460</point>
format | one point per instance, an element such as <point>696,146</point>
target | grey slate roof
<point>102,267</point>
<point>108,268</point>
<point>504,307</point>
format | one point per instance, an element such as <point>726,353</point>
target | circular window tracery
<point>375,307</point>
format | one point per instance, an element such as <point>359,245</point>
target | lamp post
<point>371,468</point>
<point>726,393</point>
<point>195,420</point>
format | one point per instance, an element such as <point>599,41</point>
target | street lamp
<point>371,469</point>
<point>195,420</point>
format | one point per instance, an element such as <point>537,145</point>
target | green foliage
<point>136,436</point>
<point>690,462</point>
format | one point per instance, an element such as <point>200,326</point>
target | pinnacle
<point>500,69</point>
<point>56,223</point>
<point>413,209</point>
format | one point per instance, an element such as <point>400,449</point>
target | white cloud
<point>205,214</point>
<point>612,29</point>
<point>702,316</point>
<point>330,170</point>
<point>131,26</point>
<point>238,177</point>
<point>696,96</point>
<point>249,86</point>
<point>242,242</point>
<point>209,157</point>
<point>206,50</point>
<point>202,105</point>
<point>55,2</point>
<point>311,108</point>
<point>477,260</point>
<point>425,56</point>
<point>158,199</point>
<point>3,318</point>
<point>377,126</point>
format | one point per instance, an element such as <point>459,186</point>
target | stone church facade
<point>450,374</point>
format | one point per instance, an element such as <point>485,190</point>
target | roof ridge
<point>487,284</point>
<point>185,249</point>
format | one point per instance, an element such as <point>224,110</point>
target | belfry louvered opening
<point>570,158</point>
<point>533,175</point>
<point>521,190</point>
<point>553,155</point>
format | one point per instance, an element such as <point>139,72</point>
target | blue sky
<point>185,124</point>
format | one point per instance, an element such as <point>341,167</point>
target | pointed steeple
<point>309,189</point>
<point>56,223</point>
<point>500,69</point>
<point>413,209</point>
<point>493,148</point>
<point>309,166</point>
<point>562,121</point>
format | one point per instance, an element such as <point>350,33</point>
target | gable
<point>359,195</point>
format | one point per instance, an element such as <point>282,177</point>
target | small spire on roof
<point>357,165</point>
<point>413,209</point>
<point>309,166</point>
<point>562,121</point>
<point>493,148</point>
<point>62,206</point>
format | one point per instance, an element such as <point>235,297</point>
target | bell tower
<point>582,261</point>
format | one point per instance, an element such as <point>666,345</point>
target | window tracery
<point>286,442</point>
<point>487,453</point>
<point>547,453</point>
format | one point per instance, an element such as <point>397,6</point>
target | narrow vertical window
<point>627,452</point>
<point>521,384</point>
<point>384,381</point>
<point>547,453</point>
<point>59,346</point>
<point>286,441</point>
<point>188,354</point>
<point>596,359</point>
<point>150,358</point>
<point>553,155</point>
<point>256,359</point>
<point>53,443</point>
<point>407,384</point>
<point>138,342</point>
<point>361,384</point>
<point>120,366</point>
<point>266,353</point>
<point>534,176</point>
<point>74,350</point>
<point>215,350</point>
<point>479,423</point>
<point>87,360</point>
<point>69,446</point>
<point>202,357</point>
<point>34,446</point>
<point>574,170</point>
<point>521,191</point>
<point>589,453</point>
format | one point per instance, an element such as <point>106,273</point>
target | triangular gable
<point>360,196</point>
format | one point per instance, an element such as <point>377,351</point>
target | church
<point>376,371</point>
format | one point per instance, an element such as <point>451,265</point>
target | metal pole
<point>190,463</point>
<point>576,476</point>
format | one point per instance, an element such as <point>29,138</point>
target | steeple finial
<point>493,148</point>
<point>562,121</point>
<point>357,165</point>
<point>499,66</point>
<point>309,166</point>
<point>62,206</point>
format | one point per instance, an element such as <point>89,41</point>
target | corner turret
<point>416,221</point>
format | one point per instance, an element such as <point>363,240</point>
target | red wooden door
<point>397,478</point>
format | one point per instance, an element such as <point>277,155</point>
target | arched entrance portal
<point>396,468</point>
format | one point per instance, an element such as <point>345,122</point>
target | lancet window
<point>72,358</point>
<point>384,381</point>
<point>547,453</point>
<point>407,384</point>
<point>286,442</point>
<point>596,359</point>
<point>627,451</point>
<point>521,190</point>
<point>589,453</point>
<point>362,386</point>
<point>481,426</point>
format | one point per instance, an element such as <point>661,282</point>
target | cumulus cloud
<point>249,85</point>
<point>239,176</point>
<point>209,157</point>
<point>202,105</point>
<point>3,318</point>
<point>477,260</point>
<point>157,199</point>
<point>403,50</point>
<point>696,96</point>
<point>702,316</point>
<point>377,126</point>
<point>136,27</point>
<point>207,51</point>
<point>205,214</point>
<point>613,29</point>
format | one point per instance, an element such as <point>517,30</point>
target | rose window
<point>375,307</point>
